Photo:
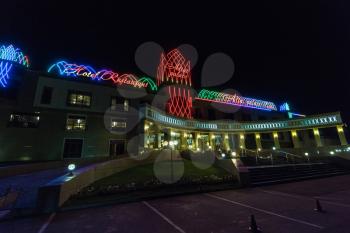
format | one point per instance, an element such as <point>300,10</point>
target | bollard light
<point>306,154</point>
<point>71,167</point>
<point>273,148</point>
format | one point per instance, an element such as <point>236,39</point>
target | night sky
<point>295,51</point>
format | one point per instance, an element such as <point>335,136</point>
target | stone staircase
<point>264,175</point>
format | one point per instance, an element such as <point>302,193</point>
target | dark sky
<point>295,51</point>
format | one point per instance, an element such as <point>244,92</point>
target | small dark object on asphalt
<point>319,207</point>
<point>253,226</point>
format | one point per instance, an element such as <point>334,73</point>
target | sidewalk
<point>28,185</point>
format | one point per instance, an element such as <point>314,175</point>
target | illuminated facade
<point>77,111</point>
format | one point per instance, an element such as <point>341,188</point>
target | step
<point>296,172</point>
<point>297,178</point>
<point>255,179</point>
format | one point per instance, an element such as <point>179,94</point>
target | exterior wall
<point>234,131</point>
<point>46,142</point>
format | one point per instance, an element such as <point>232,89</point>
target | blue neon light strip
<point>9,55</point>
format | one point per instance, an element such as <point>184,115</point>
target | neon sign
<point>73,70</point>
<point>236,100</point>
<point>284,107</point>
<point>175,69</point>
<point>8,55</point>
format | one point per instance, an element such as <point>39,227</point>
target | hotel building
<point>77,111</point>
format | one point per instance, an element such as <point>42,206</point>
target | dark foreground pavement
<point>278,209</point>
<point>28,184</point>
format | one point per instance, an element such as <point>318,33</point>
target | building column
<point>241,141</point>
<point>211,139</point>
<point>295,139</point>
<point>258,141</point>
<point>146,134</point>
<point>159,139</point>
<point>183,140</point>
<point>225,141</point>
<point>276,140</point>
<point>196,135</point>
<point>341,135</point>
<point>317,137</point>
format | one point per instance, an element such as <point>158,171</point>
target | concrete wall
<point>54,194</point>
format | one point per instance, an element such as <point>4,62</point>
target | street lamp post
<point>172,145</point>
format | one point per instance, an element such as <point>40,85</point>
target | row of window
<point>73,122</point>
<point>83,99</point>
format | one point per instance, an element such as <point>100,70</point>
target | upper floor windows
<point>46,95</point>
<point>119,104</point>
<point>79,99</point>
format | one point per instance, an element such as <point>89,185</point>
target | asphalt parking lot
<point>277,209</point>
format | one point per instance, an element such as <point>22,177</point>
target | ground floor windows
<point>72,148</point>
<point>76,122</point>
<point>116,147</point>
<point>24,120</point>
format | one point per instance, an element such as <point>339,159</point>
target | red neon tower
<point>174,70</point>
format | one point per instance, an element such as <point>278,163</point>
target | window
<point>126,105</point>
<point>75,122</point>
<point>46,95</point>
<point>119,103</point>
<point>24,120</point>
<point>118,124</point>
<point>72,148</point>
<point>80,99</point>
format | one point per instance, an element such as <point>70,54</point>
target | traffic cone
<point>318,206</point>
<point>253,226</point>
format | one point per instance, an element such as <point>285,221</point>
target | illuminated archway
<point>150,83</point>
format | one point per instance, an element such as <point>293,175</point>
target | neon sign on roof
<point>236,100</point>
<point>9,55</point>
<point>73,70</point>
<point>174,68</point>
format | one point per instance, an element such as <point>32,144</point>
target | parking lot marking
<point>164,217</point>
<point>46,224</point>
<point>324,200</point>
<point>264,211</point>
<point>285,194</point>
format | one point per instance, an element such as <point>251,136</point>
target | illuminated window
<point>24,120</point>
<point>118,124</point>
<point>119,104</point>
<point>80,99</point>
<point>75,122</point>
<point>126,105</point>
